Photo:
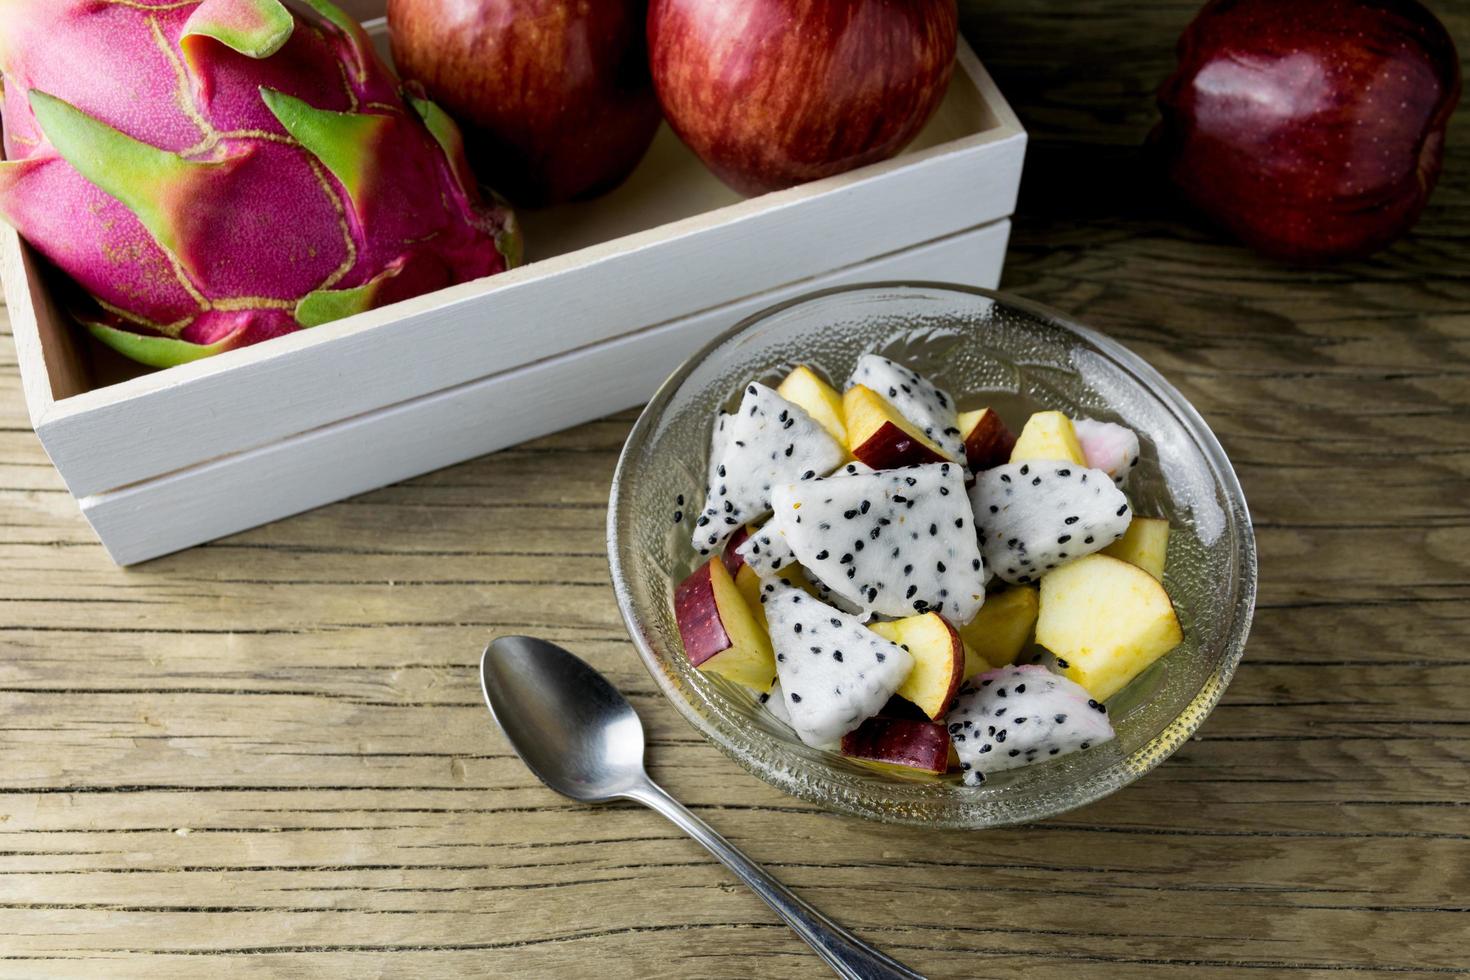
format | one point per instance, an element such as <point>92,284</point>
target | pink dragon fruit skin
<point>215,174</point>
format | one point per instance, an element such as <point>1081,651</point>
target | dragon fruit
<point>1037,515</point>
<point>894,542</point>
<point>768,441</point>
<point>835,673</point>
<point>1109,447</point>
<point>767,552</point>
<point>1015,716</point>
<point>916,398</point>
<point>219,173</point>
<point>775,702</point>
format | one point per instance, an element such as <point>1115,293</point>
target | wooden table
<point>269,755</point>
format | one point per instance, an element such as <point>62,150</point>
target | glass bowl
<point>985,348</point>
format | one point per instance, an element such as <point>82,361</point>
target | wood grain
<point>267,756</point>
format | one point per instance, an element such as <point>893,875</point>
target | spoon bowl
<point>569,725</point>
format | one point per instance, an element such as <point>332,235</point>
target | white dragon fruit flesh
<point>1038,515</point>
<point>774,701</point>
<point>1015,716</point>
<point>767,442</point>
<point>896,542</point>
<point>835,673</point>
<point>916,398</point>
<point>767,552</point>
<point>1109,447</point>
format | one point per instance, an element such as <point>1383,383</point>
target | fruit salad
<point>915,587</point>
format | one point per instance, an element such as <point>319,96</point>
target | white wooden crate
<point>618,291</point>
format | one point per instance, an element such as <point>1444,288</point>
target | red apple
<point>1311,130</point>
<point>988,442</point>
<point>720,631</point>
<point>879,436</point>
<point>771,93</point>
<point>554,95</point>
<point>922,745</point>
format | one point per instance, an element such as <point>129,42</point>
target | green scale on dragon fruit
<point>1014,716</point>
<point>1037,516</point>
<point>895,542</point>
<point>766,442</point>
<point>215,174</point>
<point>1109,447</point>
<point>834,672</point>
<point>915,398</point>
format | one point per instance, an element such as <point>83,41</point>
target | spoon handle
<point>849,956</point>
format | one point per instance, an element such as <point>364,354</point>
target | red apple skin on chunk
<point>901,742</point>
<point>733,561</point>
<point>773,93</point>
<point>1311,130</point>
<point>719,631</point>
<point>988,441</point>
<point>880,437</point>
<point>939,660</point>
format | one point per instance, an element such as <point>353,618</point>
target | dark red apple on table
<point>921,745</point>
<point>1313,129</point>
<point>771,93</point>
<point>554,95</point>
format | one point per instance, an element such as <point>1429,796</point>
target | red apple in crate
<point>1311,130</point>
<point>554,95</point>
<point>771,93</point>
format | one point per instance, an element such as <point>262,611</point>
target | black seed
<point>1013,753</point>
<point>809,474</point>
<point>1000,736</point>
<point>933,530</point>
<point>1000,712</point>
<point>1036,481</point>
<point>1021,720</point>
<point>857,545</point>
<point>1020,688</point>
<point>882,657</point>
<point>795,698</point>
<point>1064,539</point>
<point>846,559</point>
<point>1000,692</point>
<point>1085,745</point>
<point>986,748</point>
<point>790,448</point>
<point>849,514</point>
<point>1087,540</point>
<point>836,622</point>
<point>1062,663</point>
<point>1122,510</point>
<point>908,569</point>
<point>678,517</point>
<point>872,594</point>
<point>1004,478</point>
<point>1054,751</point>
<point>994,509</point>
<point>1061,719</point>
<point>911,591</point>
<point>837,655</point>
<point>822,555</point>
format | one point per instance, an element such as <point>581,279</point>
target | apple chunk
<point>903,742</point>
<point>1002,628</point>
<point>987,440</point>
<point>939,660</point>
<point>880,437</point>
<point>1105,620</point>
<point>1050,436</point>
<point>804,387</point>
<point>1145,544</point>
<point>719,631</point>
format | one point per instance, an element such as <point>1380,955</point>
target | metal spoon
<point>582,738</point>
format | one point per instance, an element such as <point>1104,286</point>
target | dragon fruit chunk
<point>916,398</point>
<point>768,441</point>
<point>775,702</point>
<point>765,550</point>
<point>1109,447</point>
<point>223,172</point>
<point>894,542</point>
<point>835,673</point>
<point>1014,716</point>
<point>1038,515</point>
